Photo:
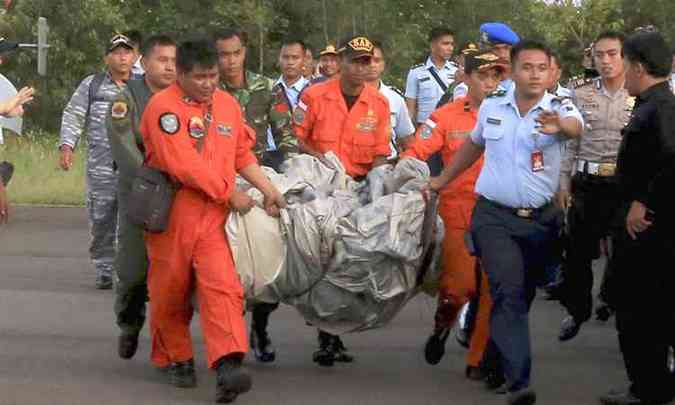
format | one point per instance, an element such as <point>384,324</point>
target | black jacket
<point>646,162</point>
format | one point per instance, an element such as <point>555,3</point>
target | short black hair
<point>378,45</point>
<point>294,41</point>
<point>651,50</point>
<point>136,37</point>
<point>156,40</point>
<point>555,58</point>
<point>229,33</point>
<point>438,32</point>
<point>615,35</point>
<point>611,35</point>
<point>199,51</point>
<point>529,45</point>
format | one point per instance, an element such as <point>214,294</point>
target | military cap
<point>329,50</point>
<point>494,33</point>
<point>481,61</point>
<point>356,47</point>
<point>470,47</point>
<point>6,46</point>
<point>119,40</point>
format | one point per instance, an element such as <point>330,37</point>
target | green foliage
<point>80,29</point>
<point>37,178</point>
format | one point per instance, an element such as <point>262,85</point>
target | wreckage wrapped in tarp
<point>347,255</point>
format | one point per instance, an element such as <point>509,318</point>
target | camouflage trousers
<point>102,213</point>
<point>131,268</point>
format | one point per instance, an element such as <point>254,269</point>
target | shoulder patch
<point>497,93</point>
<point>169,123</point>
<point>119,110</point>
<point>299,115</point>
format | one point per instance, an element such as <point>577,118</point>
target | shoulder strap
<point>94,86</point>
<point>443,86</point>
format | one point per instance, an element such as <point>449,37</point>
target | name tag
<point>494,121</point>
<point>424,79</point>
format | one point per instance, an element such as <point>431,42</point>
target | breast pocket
<point>493,133</point>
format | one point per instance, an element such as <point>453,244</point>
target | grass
<point>37,177</point>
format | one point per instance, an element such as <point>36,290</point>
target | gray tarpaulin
<point>347,255</point>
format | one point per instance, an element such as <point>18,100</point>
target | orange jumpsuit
<point>357,136</point>
<point>446,130</point>
<point>193,251</point>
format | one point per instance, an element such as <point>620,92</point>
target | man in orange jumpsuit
<point>351,119</point>
<point>195,134</point>
<point>445,131</point>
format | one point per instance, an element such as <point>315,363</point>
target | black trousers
<point>641,292</point>
<point>592,216</point>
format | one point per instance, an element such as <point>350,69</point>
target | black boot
<point>434,349</point>
<point>342,354</point>
<point>182,374</point>
<point>325,356</point>
<point>127,343</point>
<point>263,349</point>
<point>232,379</point>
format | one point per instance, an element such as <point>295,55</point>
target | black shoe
<point>342,354</point>
<point>325,356</point>
<point>620,397</point>
<point>434,349</point>
<point>494,381</point>
<point>104,282</point>
<point>6,171</point>
<point>262,346</point>
<point>526,396</point>
<point>182,374</point>
<point>474,373</point>
<point>232,380</point>
<point>569,328</point>
<point>127,343</point>
<point>603,313</point>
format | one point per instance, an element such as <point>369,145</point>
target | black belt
<point>527,213</point>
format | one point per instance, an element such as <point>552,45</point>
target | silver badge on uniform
<point>169,123</point>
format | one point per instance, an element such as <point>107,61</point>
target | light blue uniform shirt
<point>293,95</point>
<point>507,177</point>
<point>401,125</point>
<point>423,87</point>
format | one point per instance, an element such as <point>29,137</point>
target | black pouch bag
<point>150,200</point>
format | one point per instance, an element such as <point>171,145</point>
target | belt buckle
<point>606,169</point>
<point>524,212</point>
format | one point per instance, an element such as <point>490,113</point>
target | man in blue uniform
<point>515,225</point>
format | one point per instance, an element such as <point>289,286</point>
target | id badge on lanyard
<point>537,156</point>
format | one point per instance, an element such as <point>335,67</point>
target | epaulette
<point>397,91</point>
<point>417,65</point>
<point>579,81</point>
<point>497,93</point>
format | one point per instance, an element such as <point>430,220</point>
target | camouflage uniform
<point>101,177</point>
<point>266,110</point>
<point>265,107</point>
<point>131,261</point>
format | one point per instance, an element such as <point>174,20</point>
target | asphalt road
<point>58,343</point>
